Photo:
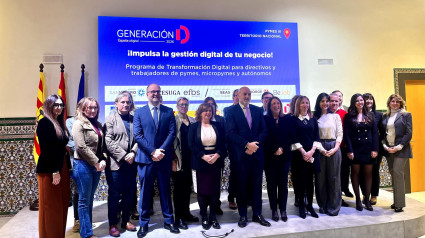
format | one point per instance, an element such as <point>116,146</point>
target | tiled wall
<point>18,181</point>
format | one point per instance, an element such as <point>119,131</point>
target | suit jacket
<point>403,133</point>
<point>177,141</point>
<point>239,134</point>
<point>86,141</point>
<point>197,148</point>
<point>117,140</point>
<point>279,135</point>
<point>150,138</point>
<point>52,148</point>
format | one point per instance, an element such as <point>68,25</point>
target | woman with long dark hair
<point>53,169</point>
<point>328,180</point>
<point>277,157</point>
<point>305,158</point>
<point>361,135</point>
<point>397,123</point>
<point>89,160</point>
<point>207,143</point>
<point>376,178</point>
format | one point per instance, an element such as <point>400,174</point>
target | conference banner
<point>196,59</point>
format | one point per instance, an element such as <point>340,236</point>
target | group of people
<point>156,144</point>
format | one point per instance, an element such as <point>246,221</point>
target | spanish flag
<point>61,92</point>
<point>39,113</point>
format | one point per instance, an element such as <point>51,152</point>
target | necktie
<point>248,116</point>
<point>155,116</point>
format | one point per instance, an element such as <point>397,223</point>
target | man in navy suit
<point>246,131</point>
<point>154,132</point>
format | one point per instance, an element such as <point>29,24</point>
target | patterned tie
<point>248,116</point>
<point>155,116</point>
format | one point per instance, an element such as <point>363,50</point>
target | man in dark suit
<point>246,131</point>
<point>154,132</point>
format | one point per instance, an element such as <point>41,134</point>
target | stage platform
<point>381,222</point>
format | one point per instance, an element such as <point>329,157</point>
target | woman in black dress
<point>277,147</point>
<point>305,158</point>
<point>361,136</point>
<point>376,179</point>
<point>207,143</point>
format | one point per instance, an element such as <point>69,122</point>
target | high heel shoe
<point>283,216</point>
<point>359,206</point>
<point>368,206</point>
<point>275,216</point>
<point>312,212</point>
<point>302,212</point>
<point>205,224</point>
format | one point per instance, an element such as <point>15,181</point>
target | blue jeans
<point>87,179</point>
<point>121,184</point>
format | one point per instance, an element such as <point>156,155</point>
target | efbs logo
<point>186,33</point>
<point>141,92</point>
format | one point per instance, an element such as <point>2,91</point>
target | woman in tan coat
<point>89,160</point>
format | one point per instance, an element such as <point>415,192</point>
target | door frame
<point>400,77</point>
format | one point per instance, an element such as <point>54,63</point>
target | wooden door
<point>415,101</point>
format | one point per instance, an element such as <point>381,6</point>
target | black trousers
<point>182,189</point>
<point>277,169</point>
<point>303,173</point>
<point>345,169</point>
<point>232,183</point>
<point>249,171</point>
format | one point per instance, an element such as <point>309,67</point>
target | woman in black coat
<point>361,136</point>
<point>278,156</point>
<point>376,178</point>
<point>397,125</point>
<point>304,156</point>
<point>53,169</point>
<point>207,143</point>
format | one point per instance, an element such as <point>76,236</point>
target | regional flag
<point>61,92</point>
<point>39,113</point>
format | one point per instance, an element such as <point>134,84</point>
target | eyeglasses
<point>155,91</point>
<point>235,95</point>
<point>57,105</point>
<point>183,105</point>
<point>125,102</point>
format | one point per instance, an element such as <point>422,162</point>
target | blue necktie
<point>155,116</point>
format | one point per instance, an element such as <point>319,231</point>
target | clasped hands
<point>279,151</point>
<point>252,147</point>
<point>100,166</point>
<point>307,156</point>
<point>391,149</point>
<point>329,153</point>
<point>158,154</point>
<point>129,158</point>
<point>211,158</point>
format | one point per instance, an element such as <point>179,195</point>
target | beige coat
<point>116,140</point>
<point>86,141</point>
<point>177,143</point>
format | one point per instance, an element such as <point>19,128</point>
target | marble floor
<point>382,222</point>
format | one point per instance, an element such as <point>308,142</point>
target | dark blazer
<point>52,149</point>
<point>306,135</point>
<point>239,134</point>
<point>279,135</point>
<point>361,140</point>
<point>403,133</point>
<point>381,132</point>
<point>197,148</point>
<point>149,138</point>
